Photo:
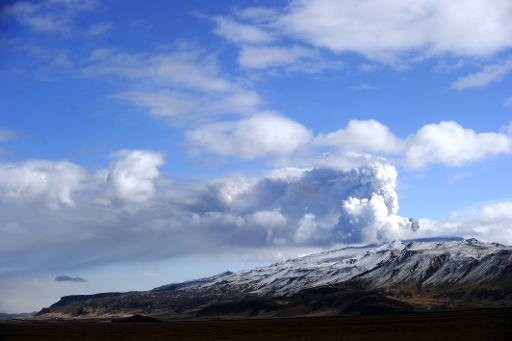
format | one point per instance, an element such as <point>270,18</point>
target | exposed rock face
<point>393,277</point>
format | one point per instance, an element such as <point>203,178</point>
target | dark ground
<point>491,324</point>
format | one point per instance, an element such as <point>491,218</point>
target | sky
<point>143,143</point>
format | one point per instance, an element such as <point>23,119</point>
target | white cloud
<point>385,30</point>
<point>255,136</point>
<point>130,178</point>
<point>268,219</point>
<point>307,228</point>
<point>363,137</point>
<point>132,174</point>
<point>54,16</point>
<point>184,67</point>
<point>262,15</point>
<point>163,103</point>
<point>289,58</point>
<point>262,57</point>
<point>182,106</point>
<point>490,222</point>
<point>446,142</point>
<point>451,144</point>
<point>372,220</point>
<point>179,84</point>
<point>240,33</point>
<point>488,75</point>
<point>52,183</point>
<point>364,87</point>
<point>393,32</point>
<point>99,29</point>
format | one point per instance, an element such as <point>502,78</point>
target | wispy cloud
<point>239,33</point>
<point>184,83</point>
<point>54,16</point>
<point>508,102</point>
<point>484,77</point>
<point>99,29</point>
<point>364,87</point>
<point>6,135</point>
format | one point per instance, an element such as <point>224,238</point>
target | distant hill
<point>19,315</point>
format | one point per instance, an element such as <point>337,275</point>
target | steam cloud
<point>131,211</point>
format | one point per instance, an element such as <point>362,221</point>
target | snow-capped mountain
<point>398,276</point>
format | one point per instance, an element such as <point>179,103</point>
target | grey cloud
<point>65,278</point>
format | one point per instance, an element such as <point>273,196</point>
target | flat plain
<point>488,324</point>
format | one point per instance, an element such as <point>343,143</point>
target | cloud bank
<point>130,211</point>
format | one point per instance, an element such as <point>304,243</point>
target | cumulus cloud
<point>307,228</point>
<point>132,174</point>
<point>65,278</point>
<point>446,142</point>
<point>50,182</point>
<point>362,136</point>
<point>488,75</point>
<point>451,144</point>
<point>255,136</point>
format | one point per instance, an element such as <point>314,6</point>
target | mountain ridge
<point>398,276</point>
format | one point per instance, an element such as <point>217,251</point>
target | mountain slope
<point>392,277</point>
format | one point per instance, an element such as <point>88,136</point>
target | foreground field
<point>464,325</point>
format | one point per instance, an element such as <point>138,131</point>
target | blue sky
<point>148,136</point>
